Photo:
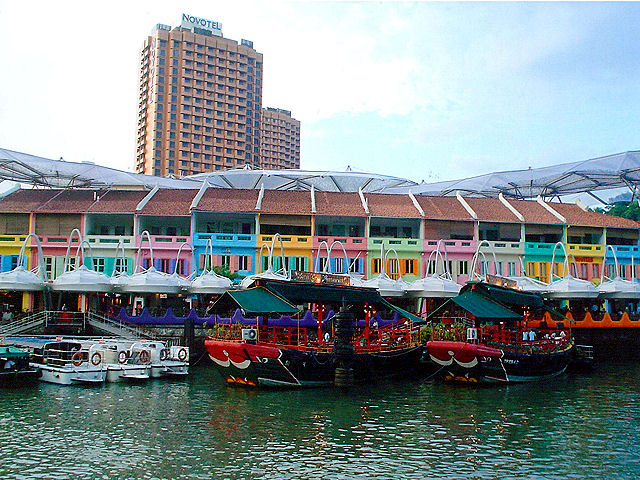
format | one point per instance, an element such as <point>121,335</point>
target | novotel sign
<point>189,21</point>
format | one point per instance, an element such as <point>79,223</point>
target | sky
<point>421,90</point>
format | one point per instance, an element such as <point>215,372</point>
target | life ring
<point>96,359</point>
<point>164,353</point>
<point>144,356</point>
<point>182,354</point>
<point>122,356</point>
<point>77,359</point>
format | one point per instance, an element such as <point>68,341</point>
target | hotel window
<point>499,269</point>
<point>225,260</point>
<point>181,266</point>
<point>512,269</point>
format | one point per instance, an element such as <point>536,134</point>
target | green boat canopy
<point>404,313</point>
<point>255,301</point>
<point>481,307</point>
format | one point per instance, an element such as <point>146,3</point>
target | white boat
<point>116,358</point>
<point>65,362</point>
<point>161,360</point>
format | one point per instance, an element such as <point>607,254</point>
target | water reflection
<point>572,427</point>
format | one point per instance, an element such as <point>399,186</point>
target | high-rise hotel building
<point>200,101</point>
<point>279,139</point>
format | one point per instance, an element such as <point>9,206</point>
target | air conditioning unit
<point>249,334</point>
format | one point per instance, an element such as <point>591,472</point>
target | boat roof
<point>37,342</point>
<point>8,351</point>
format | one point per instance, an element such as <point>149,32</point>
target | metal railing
<point>51,318</point>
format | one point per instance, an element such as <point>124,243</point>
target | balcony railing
<point>451,245</point>
<point>350,243</point>
<point>110,241</point>
<point>414,244</point>
<point>583,249</point>
<point>288,241</point>
<point>225,239</point>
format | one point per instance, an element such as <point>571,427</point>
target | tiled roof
<point>533,212</point>
<point>118,201</point>
<point>25,201</point>
<point>576,216</point>
<point>292,202</point>
<point>491,210</point>
<point>443,208</point>
<point>381,205</point>
<point>228,200</point>
<point>339,204</point>
<point>170,203</point>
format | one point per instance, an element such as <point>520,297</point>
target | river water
<point>575,426</point>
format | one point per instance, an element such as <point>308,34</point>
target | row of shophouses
<point>521,234</point>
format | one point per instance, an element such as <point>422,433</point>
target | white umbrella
<point>570,287</point>
<point>528,284</point>
<point>151,281</point>
<point>433,286</point>
<point>619,288</point>
<point>82,280</point>
<point>21,280</point>
<point>210,283</point>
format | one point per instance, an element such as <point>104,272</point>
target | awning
<point>404,313</point>
<point>481,307</point>
<point>254,301</point>
<point>304,292</point>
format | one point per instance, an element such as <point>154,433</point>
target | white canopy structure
<point>82,280</point>
<point>152,281</point>
<point>618,288</point>
<point>22,280</point>
<point>584,176</point>
<point>568,287</point>
<point>322,181</point>
<point>209,282</point>
<point>528,284</point>
<point>433,286</point>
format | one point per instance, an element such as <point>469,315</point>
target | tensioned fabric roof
<point>44,172</point>
<point>325,181</point>
<point>602,173</point>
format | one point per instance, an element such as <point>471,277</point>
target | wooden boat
<point>482,336</point>
<point>14,368</point>
<point>297,350</point>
